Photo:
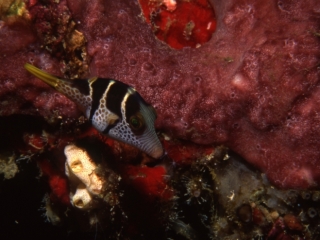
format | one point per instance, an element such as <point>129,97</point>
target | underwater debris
<point>49,211</point>
<point>8,166</point>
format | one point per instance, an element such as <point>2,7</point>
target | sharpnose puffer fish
<point>113,108</point>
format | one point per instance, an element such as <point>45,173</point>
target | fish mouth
<point>157,153</point>
<point>150,144</point>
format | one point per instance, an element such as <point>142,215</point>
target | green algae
<point>12,9</point>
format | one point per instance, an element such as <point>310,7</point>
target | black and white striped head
<point>118,111</point>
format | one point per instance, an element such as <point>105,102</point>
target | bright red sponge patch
<point>180,23</point>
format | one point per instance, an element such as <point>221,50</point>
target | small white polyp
<point>82,198</point>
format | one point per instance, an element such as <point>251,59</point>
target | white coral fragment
<point>82,173</point>
<point>81,165</point>
<point>82,198</point>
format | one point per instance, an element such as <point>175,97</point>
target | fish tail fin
<point>44,76</point>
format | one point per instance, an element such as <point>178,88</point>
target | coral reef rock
<point>221,197</point>
<point>253,87</point>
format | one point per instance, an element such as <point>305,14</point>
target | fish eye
<point>136,122</point>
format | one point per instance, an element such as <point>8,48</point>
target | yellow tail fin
<point>46,77</point>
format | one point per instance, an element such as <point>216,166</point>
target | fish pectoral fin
<point>44,76</point>
<point>112,118</point>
